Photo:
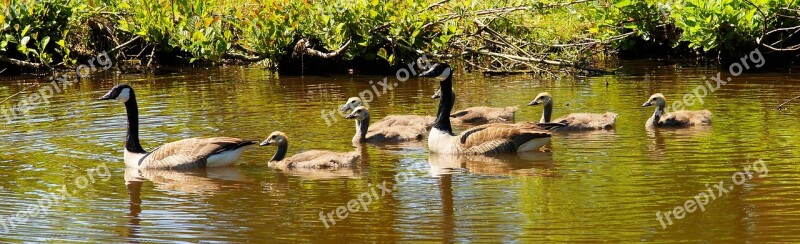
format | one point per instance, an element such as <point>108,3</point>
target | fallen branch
<point>302,48</point>
<point>780,107</point>
<point>242,57</point>
<point>540,60</point>
<point>22,63</point>
<point>124,44</point>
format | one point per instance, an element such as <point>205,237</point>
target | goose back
<point>683,118</point>
<point>588,121</point>
<point>195,153</point>
<point>317,159</point>
<point>484,115</point>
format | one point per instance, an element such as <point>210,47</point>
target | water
<point>587,187</point>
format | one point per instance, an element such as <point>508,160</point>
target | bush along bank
<point>332,36</point>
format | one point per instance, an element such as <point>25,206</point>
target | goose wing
<point>190,153</point>
<point>499,138</point>
<point>485,114</point>
<point>403,120</point>
<point>319,159</point>
<point>397,133</point>
<point>589,121</point>
<point>686,118</point>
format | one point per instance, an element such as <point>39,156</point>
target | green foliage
<point>35,30</point>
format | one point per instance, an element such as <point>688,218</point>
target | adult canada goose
<point>481,115</point>
<point>314,159</point>
<point>484,139</point>
<point>188,153</point>
<point>574,121</point>
<point>680,118</point>
<point>391,120</point>
<point>395,133</point>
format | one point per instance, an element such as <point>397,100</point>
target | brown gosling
<point>391,120</point>
<point>675,119</point>
<point>574,121</point>
<point>314,159</point>
<point>481,115</point>
<point>373,134</point>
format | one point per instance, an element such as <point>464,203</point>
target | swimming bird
<point>314,159</point>
<point>188,153</point>
<point>574,121</point>
<point>481,114</point>
<point>680,118</point>
<point>395,133</point>
<point>483,139</point>
<point>391,120</point>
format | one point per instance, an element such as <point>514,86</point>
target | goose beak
<point>107,96</point>
<point>533,103</point>
<point>648,103</point>
<point>265,143</point>
<point>351,116</point>
<point>428,73</point>
<point>345,107</point>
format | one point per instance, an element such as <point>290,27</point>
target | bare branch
<point>302,48</point>
<point>22,63</point>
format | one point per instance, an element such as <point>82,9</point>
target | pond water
<point>606,186</point>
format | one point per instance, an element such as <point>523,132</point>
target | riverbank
<point>335,37</point>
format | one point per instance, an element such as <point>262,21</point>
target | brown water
<point>587,187</point>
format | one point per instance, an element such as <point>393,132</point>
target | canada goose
<point>481,115</point>
<point>188,153</point>
<point>680,118</point>
<point>391,120</point>
<point>574,121</point>
<point>314,159</point>
<point>484,139</point>
<point>395,133</point>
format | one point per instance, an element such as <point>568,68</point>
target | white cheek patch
<point>444,74</point>
<point>124,95</point>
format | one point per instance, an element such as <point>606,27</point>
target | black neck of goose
<point>547,112</point>
<point>362,126</point>
<point>132,139</point>
<point>283,146</point>
<point>446,102</point>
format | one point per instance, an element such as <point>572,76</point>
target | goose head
<point>351,103</point>
<point>543,98</point>
<point>359,113</point>
<point>120,93</point>
<point>656,99</point>
<point>274,138</point>
<point>440,70</point>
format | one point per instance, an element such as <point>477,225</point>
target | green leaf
<point>25,40</point>
<point>25,31</point>
<point>622,3</point>
<point>43,43</point>
<point>382,54</point>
